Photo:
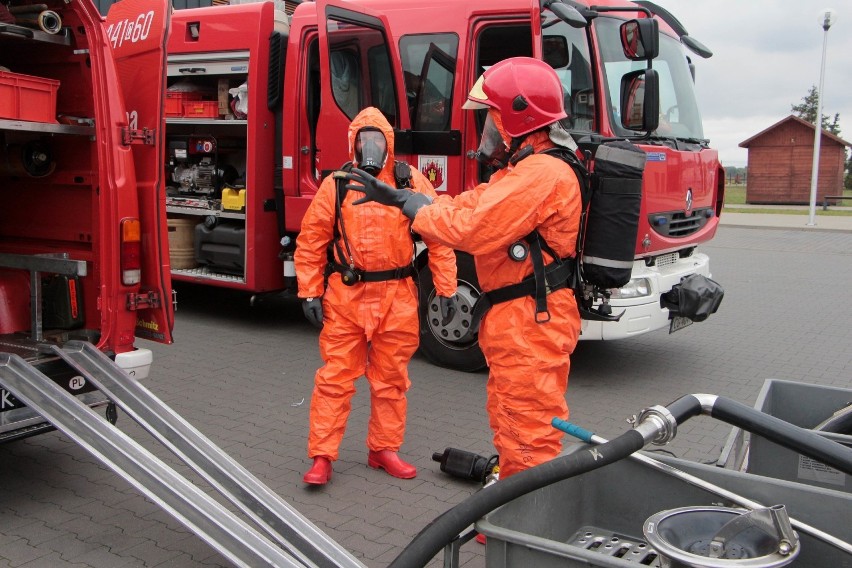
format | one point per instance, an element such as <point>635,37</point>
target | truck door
<point>138,31</point>
<point>358,69</point>
<point>494,41</point>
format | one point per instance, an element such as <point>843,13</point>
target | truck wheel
<point>453,345</point>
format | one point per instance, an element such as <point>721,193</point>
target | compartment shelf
<point>210,121</point>
<point>200,211</point>
<point>46,127</point>
<point>25,33</point>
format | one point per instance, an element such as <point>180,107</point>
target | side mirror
<point>640,39</point>
<point>640,100</point>
<point>568,14</point>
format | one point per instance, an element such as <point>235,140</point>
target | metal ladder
<point>290,540</point>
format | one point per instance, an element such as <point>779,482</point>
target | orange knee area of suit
<point>368,338</point>
<point>528,379</point>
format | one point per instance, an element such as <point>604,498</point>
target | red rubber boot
<point>320,472</point>
<point>390,462</point>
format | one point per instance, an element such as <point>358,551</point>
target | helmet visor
<point>371,150</point>
<point>492,149</point>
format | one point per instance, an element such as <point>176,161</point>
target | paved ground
<point>243,377</point>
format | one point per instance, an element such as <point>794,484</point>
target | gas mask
<point>371,150</point>
<point>492,149</point>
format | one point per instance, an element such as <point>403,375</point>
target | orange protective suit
<point>528,361</point>
<point>370,328</point>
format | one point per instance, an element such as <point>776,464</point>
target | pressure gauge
<point>519,251</point>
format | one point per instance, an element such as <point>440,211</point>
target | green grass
<point>736,195</point>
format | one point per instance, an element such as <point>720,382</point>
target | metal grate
<point>204,272</point>
<point>615,545</point>
<point>666,259</point>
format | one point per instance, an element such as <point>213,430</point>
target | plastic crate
<point>201,109</point>
<point>175,100</point>
<point>25,97</point>
<point>596,519</point>
<point>804,405</point>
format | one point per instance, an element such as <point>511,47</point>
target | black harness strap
<point>376,275</point>
<point>554,276</point>
<point>540,294</point>
<point>342,262</point>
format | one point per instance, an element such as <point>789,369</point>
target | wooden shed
<point>779,163</point>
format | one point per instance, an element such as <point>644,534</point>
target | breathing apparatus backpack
<point>609,223</point>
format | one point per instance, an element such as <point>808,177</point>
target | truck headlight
<point>636,288</point>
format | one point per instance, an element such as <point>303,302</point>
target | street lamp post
<point>827,17</point>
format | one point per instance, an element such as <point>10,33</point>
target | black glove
<point>313,311</point>
<point>448,308</point>
<point>380,192</point>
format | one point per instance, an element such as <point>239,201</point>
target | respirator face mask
<point>371,150</point>
<point>492,149</point>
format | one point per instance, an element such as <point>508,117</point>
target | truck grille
<point>679,224</point>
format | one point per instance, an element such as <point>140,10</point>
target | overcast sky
<point>766,56</point>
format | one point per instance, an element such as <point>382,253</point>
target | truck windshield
<point>679,116</point>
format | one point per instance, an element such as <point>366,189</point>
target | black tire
<point>452,346</point>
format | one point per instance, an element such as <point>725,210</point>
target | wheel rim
<point>457,333</point>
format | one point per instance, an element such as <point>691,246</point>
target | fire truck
<point>262,100</point>
<point>83,240</point>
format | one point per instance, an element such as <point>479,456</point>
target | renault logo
<point>688,208</point>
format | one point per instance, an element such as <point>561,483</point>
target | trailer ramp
<point>289,540</point>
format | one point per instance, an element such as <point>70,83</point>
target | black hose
<point>805,442</point>
<point>447,526</point>
<point>684,408</point>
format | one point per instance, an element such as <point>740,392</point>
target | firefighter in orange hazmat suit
<point>530,207</point>
<point>369,310</point>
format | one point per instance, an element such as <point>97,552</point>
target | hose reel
<point>33,159</point>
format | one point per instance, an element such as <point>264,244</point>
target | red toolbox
<point>24,97</point>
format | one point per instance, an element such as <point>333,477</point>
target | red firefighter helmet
<point>526,91</point>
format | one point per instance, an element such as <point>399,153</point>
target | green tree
<point>807,110</point>
<point>847,182</point>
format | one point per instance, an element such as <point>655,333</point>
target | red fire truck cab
<point>416,62</point>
